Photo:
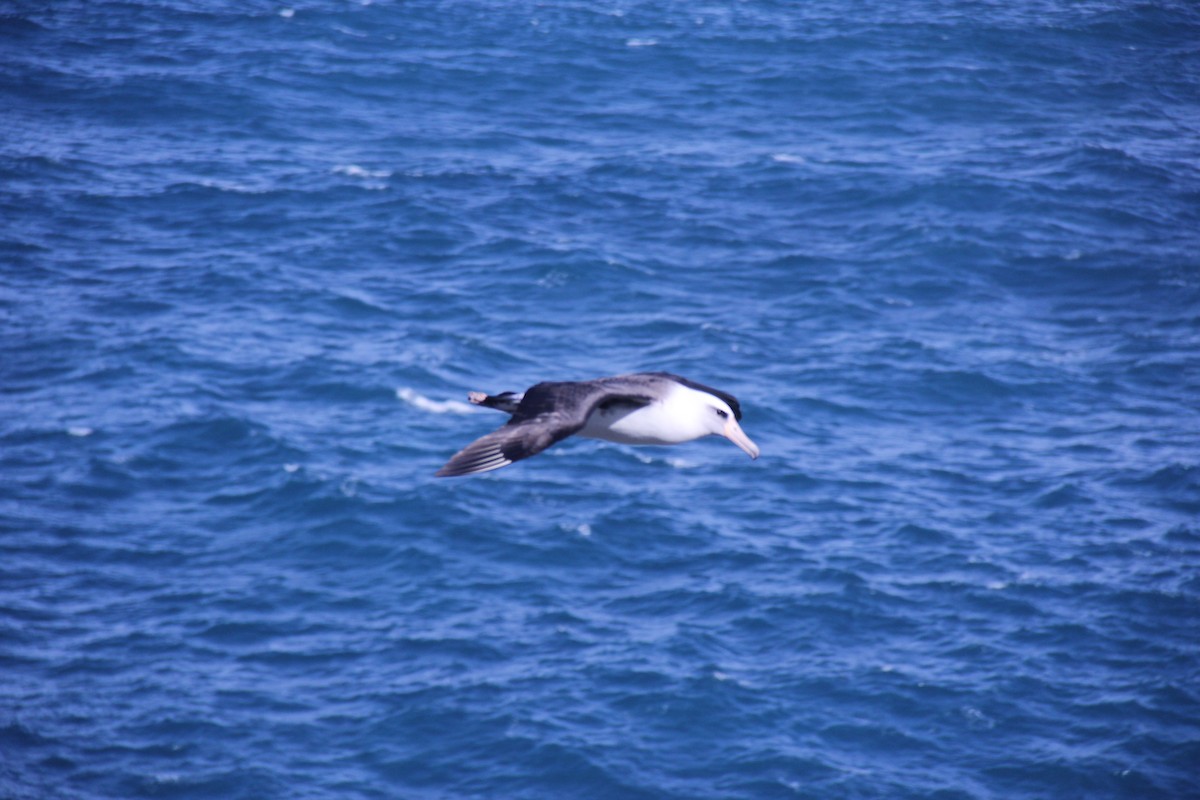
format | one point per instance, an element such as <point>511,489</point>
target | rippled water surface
<point>253,256</point>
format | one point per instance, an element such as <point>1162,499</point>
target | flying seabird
<point>642,408</point>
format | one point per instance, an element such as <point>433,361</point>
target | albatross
<point>641,408</point>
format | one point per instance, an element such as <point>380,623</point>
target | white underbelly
<point>651,424</point>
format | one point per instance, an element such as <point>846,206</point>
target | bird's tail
<point>505,401</point>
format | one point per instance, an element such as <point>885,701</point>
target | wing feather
<point>509,443</point>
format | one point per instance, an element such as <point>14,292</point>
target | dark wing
<point>503,446</point>
<point>726,396</point>
<point>548,413</point>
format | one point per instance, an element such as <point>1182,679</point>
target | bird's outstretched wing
<point>548,413</point>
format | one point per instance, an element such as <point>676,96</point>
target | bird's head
<point>723,421</point>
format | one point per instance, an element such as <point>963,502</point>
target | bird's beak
<point>733,432</point>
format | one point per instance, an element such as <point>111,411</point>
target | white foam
<point>787,158</point>
<point>355,171</point>
<point>235,188</point>
<point>677,463</point>
<point>583,528</point>
<point>641,42</point>
<point>80,431</point>
<point>977,719</point>
<point>418,400</point>
<point>290,467</point>
<point>287,13</point>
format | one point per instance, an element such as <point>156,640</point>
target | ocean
<point>253,256</point>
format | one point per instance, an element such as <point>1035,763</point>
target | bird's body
<point>641,408</point>
<point>672,419</point>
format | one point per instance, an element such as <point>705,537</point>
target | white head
<point>712,416</point>
<point>729,427</point>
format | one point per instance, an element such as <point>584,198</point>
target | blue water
<point>253,256</point>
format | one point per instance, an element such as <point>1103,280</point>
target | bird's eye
<point>721,413</point>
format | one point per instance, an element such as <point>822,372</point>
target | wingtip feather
<point>453,471</point>
<point>470,462</point>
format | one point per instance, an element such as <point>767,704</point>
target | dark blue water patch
<point>1182,536</point>
<point>1176,485</point>
<point>1063,496</point>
